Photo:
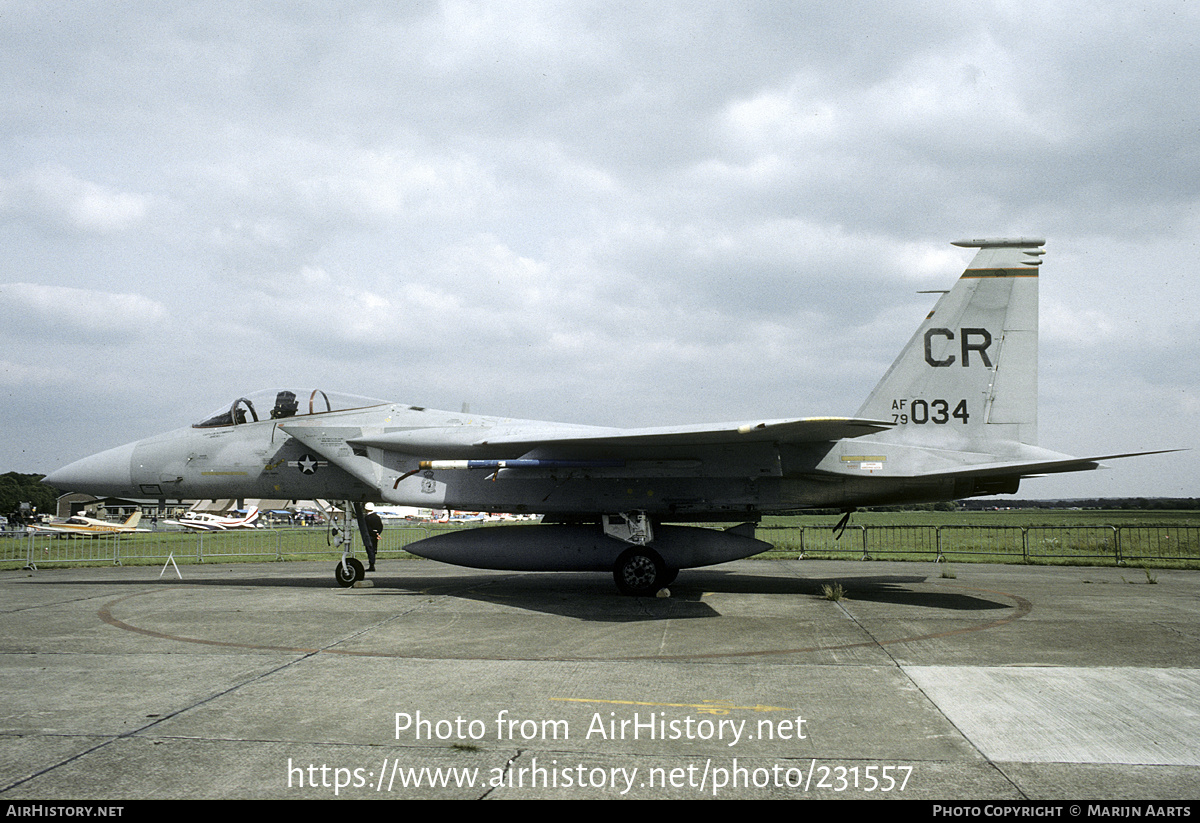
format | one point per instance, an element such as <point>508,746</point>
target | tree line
<point>16,489</point>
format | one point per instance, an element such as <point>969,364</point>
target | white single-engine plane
<point>955,416</point>
<point>208,522</point>
<point>80,526</point>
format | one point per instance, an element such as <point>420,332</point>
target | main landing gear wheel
<point>348,574</point>
<point>640,572</point>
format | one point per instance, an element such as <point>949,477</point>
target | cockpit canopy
<point>278,404</point>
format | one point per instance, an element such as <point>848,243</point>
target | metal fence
<point>1099,545</point>
<point>200,547</point>
<point>1096,545</point>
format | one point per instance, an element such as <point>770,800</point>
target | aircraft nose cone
<point>108,473</point>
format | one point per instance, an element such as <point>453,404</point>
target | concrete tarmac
<point>1002,683</point>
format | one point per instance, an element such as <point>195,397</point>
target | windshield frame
<point>269,405</point>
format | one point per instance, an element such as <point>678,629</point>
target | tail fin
<point>971,368</point>
<point>133,519</point>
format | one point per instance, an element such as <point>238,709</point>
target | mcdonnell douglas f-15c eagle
<point>955,416</point>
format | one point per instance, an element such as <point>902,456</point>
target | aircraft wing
<point>801,430</point>
<point>195,526</point>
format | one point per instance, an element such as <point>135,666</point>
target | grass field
<point>1141,538</point>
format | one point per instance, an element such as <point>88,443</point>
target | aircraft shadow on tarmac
<point>591,596</point>
<point>895,589</point>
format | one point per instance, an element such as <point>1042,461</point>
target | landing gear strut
<point>348,570</point>
<point>639,570</point>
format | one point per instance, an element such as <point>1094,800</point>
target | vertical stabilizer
<point>971,368</point>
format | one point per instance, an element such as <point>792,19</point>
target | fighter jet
<point>955,416</point>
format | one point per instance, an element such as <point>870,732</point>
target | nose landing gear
<point>348,570</point>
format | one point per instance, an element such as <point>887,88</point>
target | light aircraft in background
<point>206,522</point>
<point>955,416</point>
<point>80,526</point>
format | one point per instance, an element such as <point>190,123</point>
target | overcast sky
<point>610,213</point>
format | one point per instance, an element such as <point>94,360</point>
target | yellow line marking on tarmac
<point>706,707</point>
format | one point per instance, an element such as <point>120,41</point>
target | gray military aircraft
<point>955,416</point>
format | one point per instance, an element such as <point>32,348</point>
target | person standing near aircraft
<point>372,534</point>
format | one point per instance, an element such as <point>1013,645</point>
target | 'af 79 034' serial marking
<point>928,411</point>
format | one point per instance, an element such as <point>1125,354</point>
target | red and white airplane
<point>203,521</point>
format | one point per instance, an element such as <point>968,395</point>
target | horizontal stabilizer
<point>1039,467</point>
<point>1000,243</point>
